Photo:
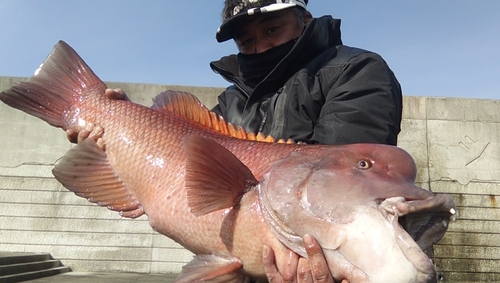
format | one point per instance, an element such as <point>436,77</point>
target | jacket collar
<point>319,35</point>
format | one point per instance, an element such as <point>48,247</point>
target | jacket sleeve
<point>220,107</point>
<point>363,105</point>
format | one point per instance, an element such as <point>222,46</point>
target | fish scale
<point>223,193</point>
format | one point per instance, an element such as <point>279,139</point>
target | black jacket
<point>321,92</point>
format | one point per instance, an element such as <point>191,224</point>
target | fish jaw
<point>426,220</point>
<point>366,248</point>
<point>388,252</point>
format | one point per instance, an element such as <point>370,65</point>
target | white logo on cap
<point>244,3</point>
<point>236,10</point>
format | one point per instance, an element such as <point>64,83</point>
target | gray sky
<point>445,48</point>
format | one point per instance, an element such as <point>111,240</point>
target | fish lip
<point>419,223</point>
<point>426,220</point>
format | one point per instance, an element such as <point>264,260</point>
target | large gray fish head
<point>361,204</point>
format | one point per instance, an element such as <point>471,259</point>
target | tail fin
<point>61,81</point>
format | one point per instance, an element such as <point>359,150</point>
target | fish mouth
<point>419,223</point>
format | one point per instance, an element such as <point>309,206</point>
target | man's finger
<point>96,132</point>
<point>269,262</point>
<point>319,267</point>
<point>304,274</point>
<point>286,272</point>
<point>72,135</point>
<point>116,94</point>
<point>289,270</point>
<point>83,134</point>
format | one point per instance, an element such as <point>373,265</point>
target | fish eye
<point>364,164</point>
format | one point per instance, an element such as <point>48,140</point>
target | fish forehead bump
<point>385,159</point>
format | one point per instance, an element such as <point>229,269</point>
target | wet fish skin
<point>158,162</point>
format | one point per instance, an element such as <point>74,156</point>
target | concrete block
<point>126,226</point>
<point>166,267</point>
<point>35,196</point>
<point>21,141</point>
<point>491,189</point>
<point>25,170</point>
<point>414,107</point>
<point>102,253</point>
<point>28,183</point>
<point>473,147</point>
<point>30,210</point>
<point>108,265</point>
<point>413,139</point>
<point>7,82</point>
<point>484,110</point>
<point>470,110</point>
<point>480,213</point>
<point>179,255</point>
<point>442,108</point>
<point>162,242</point>
<point>84,239</point>
<point>448,186</point>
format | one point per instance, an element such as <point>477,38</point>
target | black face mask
<point>255,67</point>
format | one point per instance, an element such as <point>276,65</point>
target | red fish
<point>223,194</point>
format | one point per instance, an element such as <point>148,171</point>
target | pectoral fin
<point>85,170</point>
<point>211,268</point>
<point>215,178</point>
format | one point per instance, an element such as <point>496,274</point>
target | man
<point>293,78</point>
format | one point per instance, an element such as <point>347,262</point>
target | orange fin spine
<point>189,106</point>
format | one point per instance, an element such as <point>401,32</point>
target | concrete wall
<point>455,143</point>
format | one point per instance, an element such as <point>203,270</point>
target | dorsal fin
<point>189,106</point>
<point>215,178</point>
<point>85,170</point>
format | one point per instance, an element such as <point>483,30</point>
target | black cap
<point>237,9</point>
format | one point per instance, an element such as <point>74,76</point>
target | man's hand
<point>299,270</point>
<point>90,130</point>
<point>289,274</point>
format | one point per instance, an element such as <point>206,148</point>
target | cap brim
<point>226,30</point>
